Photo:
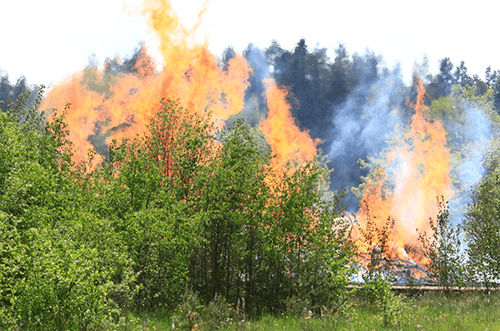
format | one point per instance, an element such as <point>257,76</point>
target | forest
<point>244,185</point>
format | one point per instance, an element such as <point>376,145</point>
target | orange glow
<point>289,146</point>
<point>288,143</point>
<point>190,73</point>
<point>420,164</point>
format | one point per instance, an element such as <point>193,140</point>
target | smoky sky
<point>335,100</point>
<point>351,102</point>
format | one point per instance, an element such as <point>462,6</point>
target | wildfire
<point>418,167</point>
<point>124,107</point>
<point>287,141</point>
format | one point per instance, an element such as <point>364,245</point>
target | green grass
<point>433,311</point>
<point>468,311</point>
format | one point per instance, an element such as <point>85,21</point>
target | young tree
<point>230,198</point>
<point>148,188</point>
<point>482,231</point>
<point>442,248</point>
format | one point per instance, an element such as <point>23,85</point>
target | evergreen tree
<point>480,86</point>
<point>341,84</point>
<point>227,55</point>
<point>461,75</point>
<point>491,77</point>
<point>496,95</point>
<point>12,92</point>
<point>445,77</point>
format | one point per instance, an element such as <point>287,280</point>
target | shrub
<point>482,231</point>
<point>61,267</point>
<point>53,282</point>
<point>443,250</point>
<point>395,310</point>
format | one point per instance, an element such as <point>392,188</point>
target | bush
<point>395,310</point>
<point>218,314</point>
<point>442,248</point>
<point>61,267</point>
<point>482,231</point>
<point>53,282</point>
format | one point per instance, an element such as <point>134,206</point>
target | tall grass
<point>431,311</point>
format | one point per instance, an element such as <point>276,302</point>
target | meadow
<point>432,310</point>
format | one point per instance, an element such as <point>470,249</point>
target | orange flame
<point>288,143</point>
<point>190,73</point>
<point>420,163</point>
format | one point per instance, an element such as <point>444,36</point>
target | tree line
<point>319,86</point>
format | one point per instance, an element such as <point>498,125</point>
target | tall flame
<point>288,143</point>
<point>419,167</point>
<point>190,72</point>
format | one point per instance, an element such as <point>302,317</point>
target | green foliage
<point>482,231</point>
<point>315,248</point>
<point>471,126</point>
<point>395,310</point>
<point>260,141</point>
<point>159,241</point>
<point>442,248</point>
<point>230,199</point>
<point>187,314</point>
<point>469,310</point>
<point>184,206</point>
<point>58,284</point>
<point>193,208</point>
<point>218,314</point>
<point>146,188</point>
<point>469,96</point>
<point>61,267</point>
<point>480,224</point>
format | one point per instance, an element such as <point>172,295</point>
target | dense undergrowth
<point>183,206</point>
<point>186,227</point>
<point>433,310</point>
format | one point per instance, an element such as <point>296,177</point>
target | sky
<point>48,40</point>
